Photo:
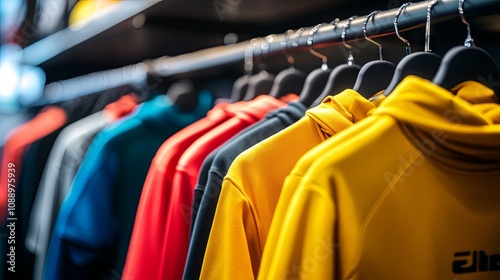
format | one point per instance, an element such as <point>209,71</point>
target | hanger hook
<point>249,55</point>
<point>428,26</point>
<point>260,47</point>
<point>299,32</point>
<point>334,23</point>
<point>257,56</point>
<point>310,41</point>
<point>264,49</point>
<point>408,45</point>
<point>371,15</point>
<point>269,39</point>
<point>469,42</point>
<point>350,58</point>
<point>284,42</point>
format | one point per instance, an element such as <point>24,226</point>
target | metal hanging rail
<point>381,25</point>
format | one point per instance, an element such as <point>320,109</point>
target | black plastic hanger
<point>262,82</point>
<point>316,80</point>
<point>467,63</point>
<point>315,83</point>
<point>423,64</point>
<point>259,84</point>
<point>462,64</point>
<point>375,75</point>
<point>184,95</point>
<point>290,80</point>
<point>240,87</point>
<point>343,76</point>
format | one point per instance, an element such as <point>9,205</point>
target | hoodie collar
<point>460,131</point>
<point>341,111</point>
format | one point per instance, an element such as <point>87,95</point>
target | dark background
<point>182,26</point>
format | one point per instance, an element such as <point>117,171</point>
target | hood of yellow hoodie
<point>460,131</point>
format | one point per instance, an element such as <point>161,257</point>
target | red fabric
<point>18,142</point>
<point>144,253</point>
<point>178,220</point>
<point>121,108</point>
<point>289,97</point>
<point>160,240</point>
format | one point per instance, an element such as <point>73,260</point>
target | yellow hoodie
<point>410,193</point>
<point>253,183</point>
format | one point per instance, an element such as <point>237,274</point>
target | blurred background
<point>62,39</point>
<point>45,43</point>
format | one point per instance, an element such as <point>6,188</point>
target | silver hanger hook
<point>264,49</point>
<point>310,41</point>
<point>469,42</point>
<point>269,39</point>
<point>369,39</point>
<point>249,55</point>
<point>260,46</point>
<point>264,46</point>
<point>284,42</point>
<point>257,47</point>
<point>334,23</point>
<point>408,45</point>
<point>299,32</point>
<point>350,58</point>
<point>428,26</point>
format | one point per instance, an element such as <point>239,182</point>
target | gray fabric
<point>62,165</point>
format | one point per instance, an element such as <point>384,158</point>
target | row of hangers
<point>461,63</point>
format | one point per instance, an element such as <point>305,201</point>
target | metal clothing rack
<point>381,24</point>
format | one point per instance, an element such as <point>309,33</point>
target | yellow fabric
<point>85,9</point>
<point>377,101</point>
<point>474,92</point>
<point>483,97</point>
<point>397,195</point>
<point>252,186</point>
<point>289,187</point>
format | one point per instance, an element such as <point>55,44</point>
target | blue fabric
<point>95,222</point>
